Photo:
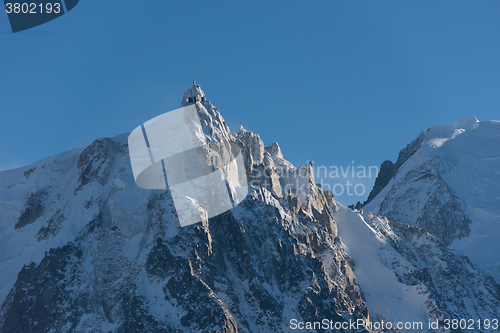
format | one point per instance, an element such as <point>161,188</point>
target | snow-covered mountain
<point>84,249</point>
<point>447,181</point>
<point>408,276</point>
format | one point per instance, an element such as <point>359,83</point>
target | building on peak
<point>193,94</point>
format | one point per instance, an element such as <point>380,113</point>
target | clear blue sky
<point>331,81</point>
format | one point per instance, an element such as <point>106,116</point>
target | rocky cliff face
<point>88,250</point>
<point>388,169</point>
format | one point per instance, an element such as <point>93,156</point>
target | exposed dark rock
<point>389,169</point>
<point>52,226</point>
<point>34,208</point>
<point>29,172</point>
<point>96,160</point>
<point>41,299</point>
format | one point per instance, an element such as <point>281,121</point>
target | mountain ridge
<point>88,250</point>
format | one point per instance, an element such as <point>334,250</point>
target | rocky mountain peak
<point>98,253</point>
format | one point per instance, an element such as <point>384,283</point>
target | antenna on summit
<point>194,82</point>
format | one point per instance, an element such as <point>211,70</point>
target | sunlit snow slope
<point>451,187</point>
<point>385,295</point>
<point>409,277</point>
